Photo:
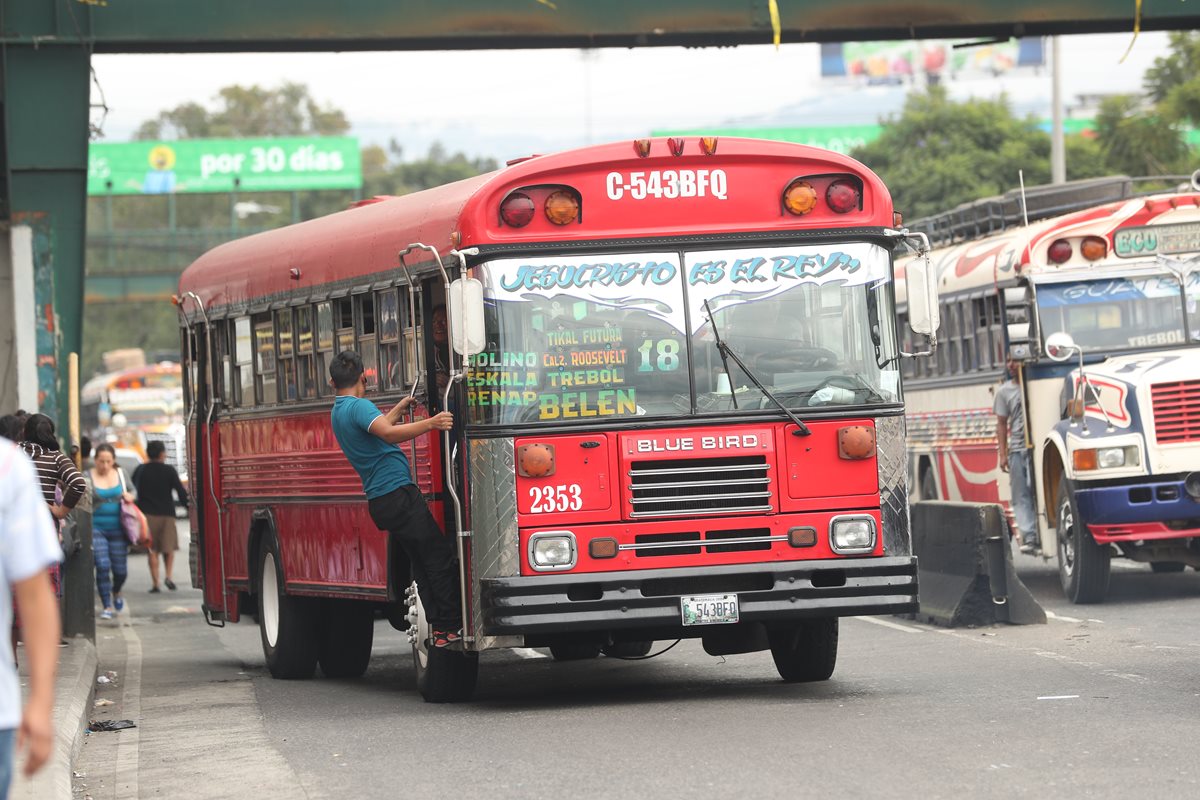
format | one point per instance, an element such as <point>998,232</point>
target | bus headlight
<point>1104,458</point>
<point>550,551</point>
<point>852,535</point>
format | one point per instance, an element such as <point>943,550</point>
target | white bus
<point>1098,297</point>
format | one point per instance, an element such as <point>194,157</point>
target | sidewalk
<point>73,691</point>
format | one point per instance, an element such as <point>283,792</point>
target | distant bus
<point>1099,269</point>
<point>136,406</point>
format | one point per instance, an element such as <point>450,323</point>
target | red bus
<point>675,374</point>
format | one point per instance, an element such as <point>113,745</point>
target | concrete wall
<point>18,349</point>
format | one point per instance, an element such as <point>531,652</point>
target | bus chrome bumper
<point>775,592</point>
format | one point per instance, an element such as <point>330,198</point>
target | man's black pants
<point>404,515</point>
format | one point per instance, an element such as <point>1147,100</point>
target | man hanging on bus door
<point>368,439</point>
<point>1015,457</point>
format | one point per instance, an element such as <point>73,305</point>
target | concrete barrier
<point>965,567</point>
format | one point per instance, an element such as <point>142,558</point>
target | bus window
<point>287,352</point>
<point>324,347</point>
<point>244,357</point>
<point>344,319</point>
<point>412,337</point>
<point>304,350</point>
<point>366,339</point>
<point>264,350</point>
<point>389,339</point>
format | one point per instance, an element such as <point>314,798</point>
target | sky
<point>506,104</point>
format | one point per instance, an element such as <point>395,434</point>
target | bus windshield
<point>1115,313</point>
<point>629,335</point>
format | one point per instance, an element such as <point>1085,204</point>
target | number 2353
<point>555,498</point>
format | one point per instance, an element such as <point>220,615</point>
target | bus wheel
<point>1083,565</point>
<point>286,624</point>
<point>443,676</point>
<point>347,630</point>
<point>929,489</point>
<point>1167,566</point>
<point>806,651</point>
<point>627,649</point>
<point>580,651</point>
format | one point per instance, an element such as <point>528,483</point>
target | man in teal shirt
<point>369,440</point>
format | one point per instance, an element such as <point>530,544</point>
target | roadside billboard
<point>224,165</point>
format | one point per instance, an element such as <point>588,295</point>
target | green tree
<point>938,153</point>
<point>1173,82</point>
<point>1138,141</point>
<point>248,111</point>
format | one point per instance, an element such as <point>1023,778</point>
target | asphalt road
<point>1103,701</point>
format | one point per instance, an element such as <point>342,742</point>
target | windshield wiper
<point>727,352</point>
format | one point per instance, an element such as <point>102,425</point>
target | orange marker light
<point>1084,459</point>
<point>856,442</point>
<point>800,197</point>
<point>562,207</point>
<point>802,537</point>
<point>708,145</point>
<point>1093,248</point>
<point>603,548</point>
<point>641,147</point>
<point>675,146</point>
<point>535,460</point>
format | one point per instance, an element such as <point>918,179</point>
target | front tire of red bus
<point>286,624</point>
<point>1083,565</point>
<point>806,651</point>
<point>443,675</point>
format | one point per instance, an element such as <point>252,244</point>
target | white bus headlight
<point>852,535</point>
<point>1105,458</point>
<point>1109,457</point>
<point>552,550</point>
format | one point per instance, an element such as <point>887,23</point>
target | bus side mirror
<point>466,316</point>
<point>924,314</point>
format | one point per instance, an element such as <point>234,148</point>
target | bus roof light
<point>800,197</point>
<point>641,147</point>
<point>1093,248</point>
<point>675,145</point>
<point>844,196</point>
<point>517,210</point>
<point>562,207</point>
<point>1060,251</point>
<point>708,145</point>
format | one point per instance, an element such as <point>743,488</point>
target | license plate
<point>709,609</point>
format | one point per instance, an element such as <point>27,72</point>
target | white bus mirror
<point>466,316</point>
<point>923,312</point>
<point>1060,346</point>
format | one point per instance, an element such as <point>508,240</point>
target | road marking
<point>528,652</point>
<point>126,777</point>
<point>1061,618</point>
<point>887,623</point>
<point>1059,697</point>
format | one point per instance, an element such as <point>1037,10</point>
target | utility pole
<point>1058,155</point>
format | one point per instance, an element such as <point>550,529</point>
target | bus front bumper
<point>777,592</point>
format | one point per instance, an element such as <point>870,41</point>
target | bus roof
<point>253,271</point>
<point>991,259</point>
<point>109,380</point>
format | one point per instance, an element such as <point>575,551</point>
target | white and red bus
<point>676,375</point>
<point>1102,274</point>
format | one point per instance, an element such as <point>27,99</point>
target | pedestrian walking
<point>155,482</point>
<point>28,548</point>
<point>55,472</point>
<point>109,545</point>
<point>369,440</point>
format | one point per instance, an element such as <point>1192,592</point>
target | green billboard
<point>224,165</point>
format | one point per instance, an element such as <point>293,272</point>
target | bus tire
<point>443,675</point>
<point>347,633</point>
<point>576,651</point>
<point>628,649</point>
<point>928,485</point>
<point>1083,565</point>
<point>806,651</point>
<point>1167,566</point>
<point>287,625</point>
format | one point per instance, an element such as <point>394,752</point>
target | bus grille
<point>700,487</point>
<point>1176,411</point>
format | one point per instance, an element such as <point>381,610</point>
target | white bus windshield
<point>628,335</point>
<point>1115,313</point>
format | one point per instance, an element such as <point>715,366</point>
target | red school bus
<point>675,374</point>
